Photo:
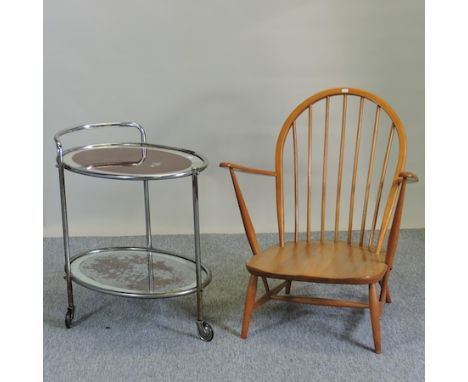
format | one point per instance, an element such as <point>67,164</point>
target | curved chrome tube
<point>90,126</point>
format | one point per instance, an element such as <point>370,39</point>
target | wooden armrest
<point>409,176</point>
<point>250,170</point>
<point>248,226</point>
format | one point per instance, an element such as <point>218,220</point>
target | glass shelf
<point>137,272</point>
<point>132,161</point>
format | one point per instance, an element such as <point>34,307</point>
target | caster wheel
<point>69,317</point>
<point>205,331</point>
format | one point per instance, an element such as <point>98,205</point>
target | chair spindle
<point>296,185</point>
<point>309,171</point>
<point>340,167</point>
<point>369,175</point>
<point>324,170</point>
<point>355,168</point>
<point>381,183</point>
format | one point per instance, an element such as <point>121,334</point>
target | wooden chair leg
<point>385,289</point>
<point>249,305</point>
<point>374,308</point>
<point>288,287</point>
<point>388,297</point>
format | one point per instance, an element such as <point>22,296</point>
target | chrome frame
<point>66,240</point>
<point>90,126</point>
<point>196,228</point>
<point>199,267</point>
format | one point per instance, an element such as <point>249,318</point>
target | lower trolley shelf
<point>137,272</point>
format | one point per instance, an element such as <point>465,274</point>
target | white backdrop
<point>217,77</point>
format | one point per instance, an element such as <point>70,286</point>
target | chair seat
<point>326,262</point>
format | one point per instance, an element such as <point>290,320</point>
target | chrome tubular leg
<point>196,225</point>
<point>66,247</point>
<point>149,242</point>
<point>205,331</point>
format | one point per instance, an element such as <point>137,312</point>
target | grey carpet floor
<point>123,339</point>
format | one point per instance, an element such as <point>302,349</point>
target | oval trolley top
<point>133,161</point>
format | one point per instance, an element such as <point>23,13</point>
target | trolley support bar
<point>196,225</point>
<point>149,242</point>
<point>66,243</point>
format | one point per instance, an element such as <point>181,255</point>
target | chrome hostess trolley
<point>138,272</point>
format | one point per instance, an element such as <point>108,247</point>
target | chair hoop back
<point>358,169</point>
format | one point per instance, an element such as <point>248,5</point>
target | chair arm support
<point>249,170</point>
<point>246,220</point>
<point>404,177</point>
<point>408,176</point>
